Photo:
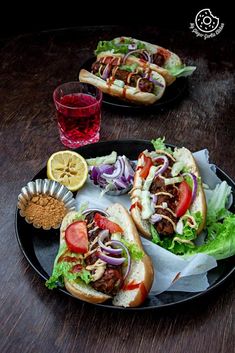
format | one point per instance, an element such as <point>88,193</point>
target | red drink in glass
<point>78,112</point>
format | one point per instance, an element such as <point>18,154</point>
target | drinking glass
<point>78,107</point>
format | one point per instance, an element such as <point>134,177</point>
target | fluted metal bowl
<point>47,187</point>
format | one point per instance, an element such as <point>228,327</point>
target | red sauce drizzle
<point>164,52</point>
<point>67,259</point>
<point>132,285</point>
<point>107,60</point>
<point>76,268</point>
<point>136,204</point>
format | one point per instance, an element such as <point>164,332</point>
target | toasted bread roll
<point>167,213</point>
<point>170,58</point>
<point>145,65</point>
<point>137,283</point>
<point>128,93</point>
<point>141,271</point>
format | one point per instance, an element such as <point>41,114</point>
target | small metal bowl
<point>47,187</point>
<point>90,210</point>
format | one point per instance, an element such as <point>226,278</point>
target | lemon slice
<point>68,168</point>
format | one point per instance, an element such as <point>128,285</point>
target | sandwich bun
<point>199,204</point>
<point>171,59</point>
<point>128,93</point>
<point>145,65</point>
<point>141,271</point>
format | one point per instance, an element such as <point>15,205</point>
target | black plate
<point>172,93</point>
<point>40,247</point>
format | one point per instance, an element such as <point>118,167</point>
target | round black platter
<point>172,93</point>
<point>40,247</point>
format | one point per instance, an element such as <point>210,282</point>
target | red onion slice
<point>132,46</point>
<point>164,166</point>
<point>128,170</point>
<point>106,72</point>
<point>148,57</point>
<point>117,171</point>
<point>102,236</point>
<point>120,183</point>
<point>119,243</point>
<point>130,53</point>
<point>154,198</point>
<point>116,261</point>
<point>194,180</point>
<point>156,82</point>
<point>155,218</point>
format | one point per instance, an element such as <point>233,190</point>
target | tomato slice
<point>147,165</point>
<point>104,223</point>
<point>185,198</point>
<point>76,237</point>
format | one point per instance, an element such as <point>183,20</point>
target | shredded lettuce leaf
<point>79,216</point>
<point>181,243</point>
<point>62,270</point>
<point>177,168</point>
<point>188,181</point>
<point>181,71</point>
<point>116,46</point>
<point>159,144</point>
<point>85,275</point>
<point>135,252</point>
<point>129,68</point>
<point>155,236</point>
<point>109,159</point>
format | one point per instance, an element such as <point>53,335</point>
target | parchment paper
<point>171,272</point>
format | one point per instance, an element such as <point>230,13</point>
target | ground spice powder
<point>45,211</point>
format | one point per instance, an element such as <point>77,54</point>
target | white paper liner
<point>171,272</point>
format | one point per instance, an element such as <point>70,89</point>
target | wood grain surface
<point>34,319</point>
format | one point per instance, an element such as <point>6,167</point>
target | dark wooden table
<point>34,319</point>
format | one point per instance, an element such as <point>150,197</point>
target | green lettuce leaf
<point>116,46</point>
<point>216,203</point>
<point>155,236</point>
<point>62,269</point>
<point>85,275</point>
<point>109,159</point>
<point>182,71</point>
<point>135,252</point>
<point>159,144</point>
<point>181,243</point>
<point>129,68</point>
<point>221,242</point>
